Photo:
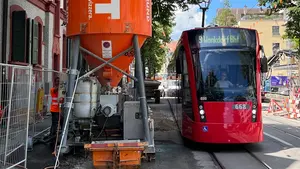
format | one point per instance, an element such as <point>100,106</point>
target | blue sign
<point>279,80</point>
<point>205,129</point>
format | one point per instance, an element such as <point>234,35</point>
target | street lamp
<point>204,6</point>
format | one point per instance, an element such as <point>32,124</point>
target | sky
<point>192,18</point>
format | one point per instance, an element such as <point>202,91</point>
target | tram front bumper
<point>234,133</point>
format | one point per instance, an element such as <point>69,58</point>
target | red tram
<point>219,100</point>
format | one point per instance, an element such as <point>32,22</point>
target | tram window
<point>185,73</point>
<point>186,81</point>
<point>186,97</point>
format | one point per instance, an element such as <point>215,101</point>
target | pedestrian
<point>57,116</point>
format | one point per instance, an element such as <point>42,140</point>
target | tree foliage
<point>293,26</point>
<point>293,11</point>
<point>154,50</point>
<point>225,16</point>
<point>276,5</point>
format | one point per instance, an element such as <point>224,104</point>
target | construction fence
<point>284,101</point>
<point>24,111</point>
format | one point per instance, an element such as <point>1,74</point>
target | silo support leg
<point>71,84</point>
<point>143,100</point>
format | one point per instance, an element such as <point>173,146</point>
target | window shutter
<point>29,40</point>
<point>18,36</point>
<point>35,42</point>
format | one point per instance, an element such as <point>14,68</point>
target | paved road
<point>170,151</point>
<point>280,149</point>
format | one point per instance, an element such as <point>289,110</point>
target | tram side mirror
<point>263,61</point>
<point>178,66</point>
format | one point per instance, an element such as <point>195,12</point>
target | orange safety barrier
<point>274,107</point>
<point>116,154</point>
<point>292,108</point>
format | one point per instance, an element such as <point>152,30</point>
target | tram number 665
<point>240,106</point>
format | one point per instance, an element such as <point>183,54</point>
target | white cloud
<point>187,20</point>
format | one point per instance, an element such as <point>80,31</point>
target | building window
<point>37,35</point>
<point>65,51</point>
<point>275,30</point>
<point>276,47</point>
<point>26,39</point>
<point>18,46</point>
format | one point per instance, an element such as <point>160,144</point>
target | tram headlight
<point>201,112</point>
<point>254,115</point>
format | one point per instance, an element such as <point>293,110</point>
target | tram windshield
<point>227,75</point>
<point>225,62</point>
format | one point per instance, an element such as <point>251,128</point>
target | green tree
<point>292,25</point>
<point>276,5</point>
<point>154,51</point>
<point>225,16</point>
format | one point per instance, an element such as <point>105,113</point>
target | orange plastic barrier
<point>292,108</point>
<point>274,107</point>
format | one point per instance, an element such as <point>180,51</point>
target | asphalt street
<point>280,149</point>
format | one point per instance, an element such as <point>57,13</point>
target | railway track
<point>257,159</point>
<point>222,164</point>
<point>218,162</point>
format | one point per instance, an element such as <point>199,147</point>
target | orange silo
<point>106,28</point>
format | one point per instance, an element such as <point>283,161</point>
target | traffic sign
<point>205,128</point>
